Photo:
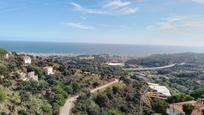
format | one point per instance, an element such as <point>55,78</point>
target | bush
<point>59,99</point>
<point>160,106</point>
<point>202,111</point>
<point>198,93</point>
<point>113,112</point>
<point>37,70</point>
<point>188,108</point>
<point>179,98</point>
<point>3,70</point>
<point>102,100</point>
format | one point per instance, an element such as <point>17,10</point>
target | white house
<point>31,75</point>
<point>48,70</point>
<point>27,60</point>
<point>163,90</point>
<point>7,56</point>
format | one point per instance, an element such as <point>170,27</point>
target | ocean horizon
<point>94,48</point>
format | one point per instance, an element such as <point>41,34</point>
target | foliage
<point>188,108</point>
<point>45,96</point>
<point>113,112</point>
<point>202,111</point>
<point>116,100</point>
<point>3,70</point>
<point>37,70</point>
<point>159,106</point>
<point>198,93</point>
<point>179,98</point>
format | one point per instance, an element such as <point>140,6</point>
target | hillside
<point>23,95</point>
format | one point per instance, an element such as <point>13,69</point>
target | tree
<point>160,106</point>
<point>179,98</point>
<point>188,108</point>
<point>47,108</point>
<point>59,99</point>
<point>102,100</point>
<point>37,70</point>
<point>198,93</point>
<point>202,111</point>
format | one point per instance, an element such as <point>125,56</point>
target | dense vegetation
<point>185,80</point>
<point>73,76</point>
<point>185,77</point>
<point>117,100</point>
<point>45,96</point>
<point>165,59</point>
<point>188,108</point>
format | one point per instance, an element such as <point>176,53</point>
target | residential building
<point>31,75</point>
<point>27,60</point>
<point>7,56</point>
<point>163,91</point>
<point>49,70</point>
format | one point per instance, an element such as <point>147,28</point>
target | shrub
<point>188,108</point>
<point>179,98</point>
<point>198,93</point>
<point>113,112</point>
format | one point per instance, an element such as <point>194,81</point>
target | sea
<point>91,48</point>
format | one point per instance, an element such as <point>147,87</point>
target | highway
<point>149,68</point>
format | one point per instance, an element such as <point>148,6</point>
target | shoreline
<point>70,55</point>
<point>50,54</point>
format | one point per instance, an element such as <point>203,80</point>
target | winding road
<point>69,104</point>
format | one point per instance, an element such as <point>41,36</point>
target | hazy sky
<point>171,22</point>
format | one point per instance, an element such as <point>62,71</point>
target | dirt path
<point>69,104</point>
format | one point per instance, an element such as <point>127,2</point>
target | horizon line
<point>103,43</point>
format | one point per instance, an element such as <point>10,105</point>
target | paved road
<point>150,68</point>
<point>69,104</point>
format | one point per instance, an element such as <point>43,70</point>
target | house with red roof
<point>177,108</point>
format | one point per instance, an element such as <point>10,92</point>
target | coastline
<point>50,54</point>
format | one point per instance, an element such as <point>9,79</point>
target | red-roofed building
<point>177,108</point>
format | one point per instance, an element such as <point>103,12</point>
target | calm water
<point>83,48</point>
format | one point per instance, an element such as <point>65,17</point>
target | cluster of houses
<point>32,75</point>
<point>163,91</point>
<point>86,57</point>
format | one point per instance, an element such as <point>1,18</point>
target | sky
<point>154,22</point>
